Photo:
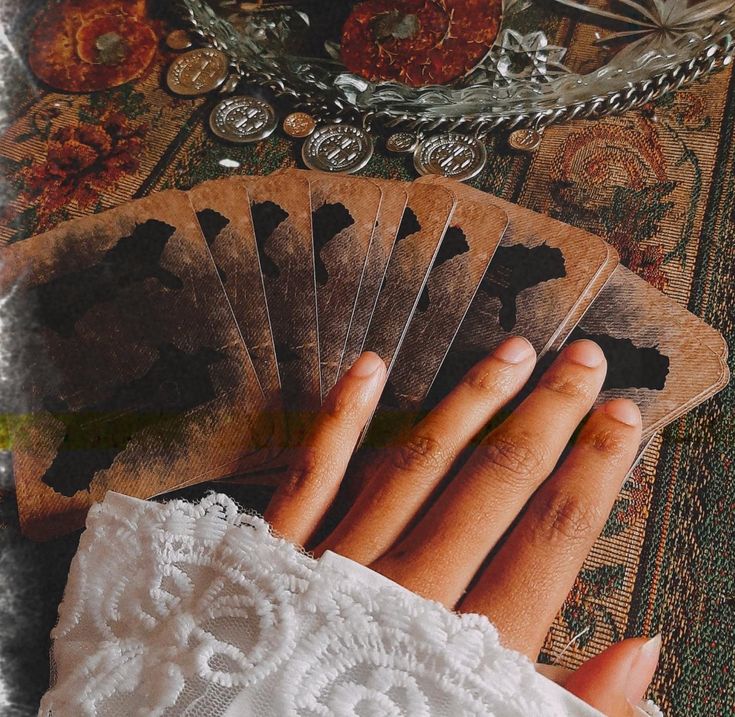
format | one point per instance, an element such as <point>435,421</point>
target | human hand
<point>435,539</point>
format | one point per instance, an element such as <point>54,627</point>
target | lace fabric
<point>198,610</point>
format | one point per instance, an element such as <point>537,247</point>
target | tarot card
<point>419,236</point>
<point>223,210</point>
<point>655,350</point>
<point>391,211</point>
<point>474,232</point>
<point>131,373</point>
<point>587,298</point>
<point>343,215</point>
<point>713,338</point>
<point>541,274</point>
<point>280,207</point>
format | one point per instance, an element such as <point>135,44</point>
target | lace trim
<point>648,708</point>
<point>197,609</point>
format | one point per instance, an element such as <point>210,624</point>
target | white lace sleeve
<point>198,610</point>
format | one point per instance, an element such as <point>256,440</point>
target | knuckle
<point>488,380</point>
<point>567,516</point>
<point>515,458</point>
<point>419,453</point>
<point>306,470</point>
<point>342,406</point>
<point>607,441</point>
<point>568,386</point>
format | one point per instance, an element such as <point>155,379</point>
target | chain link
<point>480,125</point>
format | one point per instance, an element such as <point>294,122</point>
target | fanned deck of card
<point>191,336</point>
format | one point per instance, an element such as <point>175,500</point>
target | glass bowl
<point>551,61</point>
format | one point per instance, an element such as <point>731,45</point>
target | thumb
<point>617,679</point>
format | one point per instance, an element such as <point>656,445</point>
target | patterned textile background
<point>657,183</point>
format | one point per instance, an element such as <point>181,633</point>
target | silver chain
<point>329,108</point>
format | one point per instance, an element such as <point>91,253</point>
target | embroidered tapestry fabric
<point>657,183</point>
<point>197,610</point>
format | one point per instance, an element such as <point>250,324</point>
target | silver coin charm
<point>337,148</point>
<point>197,72</point>
<point>401,142</point>
<point>242,119</point>
<point>524,140</point>
<point>450,155</point>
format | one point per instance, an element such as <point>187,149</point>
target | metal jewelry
<point>242,119</point>
<point>197,72</point>
<point>450,155</point>
<point>337,148</point>
<point>401,142</point>
<point>299,125</point>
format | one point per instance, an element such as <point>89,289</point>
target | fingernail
<point>366,365</point>
<point>642,670</point>
<point>586,353</point>
<point>514,350</point>
<point>624,411</point>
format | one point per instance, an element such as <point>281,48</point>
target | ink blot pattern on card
<point>190,336</point>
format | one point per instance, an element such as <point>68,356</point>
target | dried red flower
<point>82,161</point>
<point>419,42</point>
<point>87,45</point>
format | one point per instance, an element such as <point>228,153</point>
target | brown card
<point>222,208</point>
<point>280,207</point>
<point>419,236</point>
<point>392,207</point>
<point>714,339</point>
<point>343,215</point>
<point>543,275</point>
<point>587,298</point>
<point>474,232</point>
<point>133,376</point>
<point>655,350</point>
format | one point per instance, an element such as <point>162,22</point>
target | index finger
<point>311,484</point>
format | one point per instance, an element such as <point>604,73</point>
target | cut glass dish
<point>551,61</point>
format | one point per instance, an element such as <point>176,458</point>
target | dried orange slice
<point>82,46</point>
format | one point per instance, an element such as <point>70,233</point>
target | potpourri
<point>418,42</point>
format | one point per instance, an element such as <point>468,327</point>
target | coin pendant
<point>401,142</point>
<point>450,155</point>
<point>299,125</point>
<point>338,148</point>
<point>524,140</point>
<point>179,40</point>
<point>197,72</point>
<point>242,119</point>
